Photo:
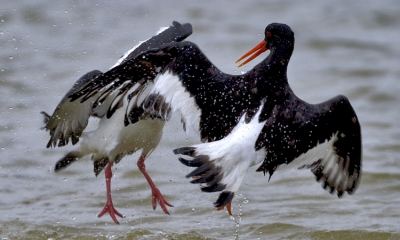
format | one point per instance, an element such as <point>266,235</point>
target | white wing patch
<point>326,165</point>
<point>169,87</point>
<point>162,29</point>
<point>323,151</point>
<point>127,54</point>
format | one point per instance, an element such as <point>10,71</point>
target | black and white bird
<point>112,140</point>
<point>243,120</point>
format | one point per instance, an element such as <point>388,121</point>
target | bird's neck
<point>279,57</point>
<point>271,73</point>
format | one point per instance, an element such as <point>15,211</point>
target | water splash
<point>238,219</point>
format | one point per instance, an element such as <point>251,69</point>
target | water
<point>342,47</point>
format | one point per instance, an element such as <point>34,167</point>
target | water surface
<point>342,47</point>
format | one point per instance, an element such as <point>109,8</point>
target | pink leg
<point>156,194</point>
<point>109,207</point>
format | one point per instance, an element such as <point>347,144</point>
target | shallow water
<point>341,48</point>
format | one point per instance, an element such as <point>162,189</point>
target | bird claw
<point>109,208</point>
<point>156,195</point>
<point>228,207</point>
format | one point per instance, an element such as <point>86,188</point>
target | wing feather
<point>70,118</point>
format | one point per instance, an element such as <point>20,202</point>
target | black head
<point>278,36</point>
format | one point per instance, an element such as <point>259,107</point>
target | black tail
<point>67,160</point>
<point>46,117</point>
<point>224,198</point>
<point>99,165</point>
<point>188,151</point>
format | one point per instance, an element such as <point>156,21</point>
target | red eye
<point>268,33</point>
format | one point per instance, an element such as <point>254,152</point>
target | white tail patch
<point>235,153</point>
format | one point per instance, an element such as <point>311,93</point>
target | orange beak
<point>257,50</point>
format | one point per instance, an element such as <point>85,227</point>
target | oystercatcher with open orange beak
<point>244,120</point>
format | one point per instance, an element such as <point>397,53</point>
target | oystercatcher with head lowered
<point>244,119</point>
<point>111,141</point>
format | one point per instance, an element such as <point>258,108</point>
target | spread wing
<point>325,138</point>
<point>70,117</point>
<point>179,75</point>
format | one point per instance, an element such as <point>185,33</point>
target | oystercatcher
<point>111,141</point>
<point>243,119</point>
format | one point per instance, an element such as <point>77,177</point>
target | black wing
<point>176,33</point>
<point>325,138</point>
